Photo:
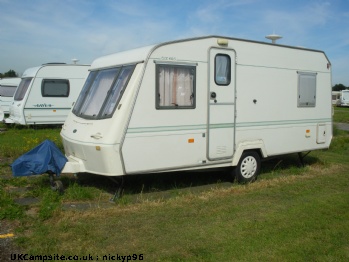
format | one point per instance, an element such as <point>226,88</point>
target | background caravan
<point>344,98</point>
<point>46,94</point>
<point>7,89</point>
<point>336,98</point>
<point>199,103</point>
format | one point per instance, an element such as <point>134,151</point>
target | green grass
<point>299,217</point>
<point>341,115</point>
<point>8,208</point>
<point>290,213</point>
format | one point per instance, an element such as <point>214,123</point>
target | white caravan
<point>344,98</point>
<point>196,104</point>
<point>7,89</point>
<point>46,93</point>
<point>336,98</point>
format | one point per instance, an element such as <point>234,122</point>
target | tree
<point>339,87</point>
<point>10,73</point>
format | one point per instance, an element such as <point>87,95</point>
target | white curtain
<point>222,69</point>
<point>175,86</point>
<point>116,90</point>
<point>98,92</point>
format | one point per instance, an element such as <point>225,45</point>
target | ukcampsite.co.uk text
<point>56,257</point>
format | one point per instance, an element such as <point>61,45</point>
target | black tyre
<point>248,167</point>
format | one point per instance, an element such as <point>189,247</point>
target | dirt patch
<point>342,126</point>
<point>7,247</point>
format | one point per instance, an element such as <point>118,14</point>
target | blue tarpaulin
<point>44,158</point>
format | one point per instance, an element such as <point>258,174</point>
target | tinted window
<point>7,91</point>
<point>306,89</point>
<point>55,88</point>
<point>22,89</point>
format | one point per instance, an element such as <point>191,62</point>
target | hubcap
<point>248,167</point>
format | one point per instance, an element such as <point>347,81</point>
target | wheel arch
<point>255,145</point>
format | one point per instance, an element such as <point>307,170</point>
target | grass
<point>286,218</point>
<point>341,114</point>
<point>291,213</point>
<point>18,140</point>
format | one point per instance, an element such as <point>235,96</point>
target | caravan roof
<point>122,58</point>
<point>31,72</point>
<point>10,81</point>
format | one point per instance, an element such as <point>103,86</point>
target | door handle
<point>97,136</point>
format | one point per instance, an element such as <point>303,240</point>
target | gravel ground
<point>342,126</point>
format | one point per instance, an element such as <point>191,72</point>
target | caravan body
<point>199,103</point>
<point>336,98</point>
<point>344,100</point>
<point>46,94</point>
<point>7,89</point>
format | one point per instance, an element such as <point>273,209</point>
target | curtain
<point>98,92</point>
<point>175,86</point>
<point>222,69</point>
<point>116,90</point>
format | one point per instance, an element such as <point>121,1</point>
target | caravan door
<point>221,104</point>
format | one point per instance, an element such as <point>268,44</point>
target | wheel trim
<point>248,167</point>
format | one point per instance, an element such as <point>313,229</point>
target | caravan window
<point>222,69</point>
<point>306,89</point>
<point>55,88</point>
<point>22,88</point>
<point>175,85</point>
<point>7,91</point>
<point>102,92</point>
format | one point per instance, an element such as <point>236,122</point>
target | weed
<point>77,192</point>
<point>49,203</point>
<point>8,208</point>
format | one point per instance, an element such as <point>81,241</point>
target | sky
<point>33,32</point>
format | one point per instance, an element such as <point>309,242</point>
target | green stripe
<point>282,68</point>
<point>164,128</point>
<point>283,122</point>
<point>53,108</point>
<point>138,130</point>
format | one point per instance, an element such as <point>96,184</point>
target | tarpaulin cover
<point>41,159</point>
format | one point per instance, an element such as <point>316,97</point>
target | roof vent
<point>54,63</point>
<point>273,37</point>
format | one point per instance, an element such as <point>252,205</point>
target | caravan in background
<point>7,89</point>
<point>46,94</point>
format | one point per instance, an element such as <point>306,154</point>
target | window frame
<point>301,89</point>
<point>47,80</point>
<point>89,83</point>
<point>192,69</point>
<point>22,88</point>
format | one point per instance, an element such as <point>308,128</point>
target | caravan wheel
<point>58,186</point>
<point>248,168</point>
